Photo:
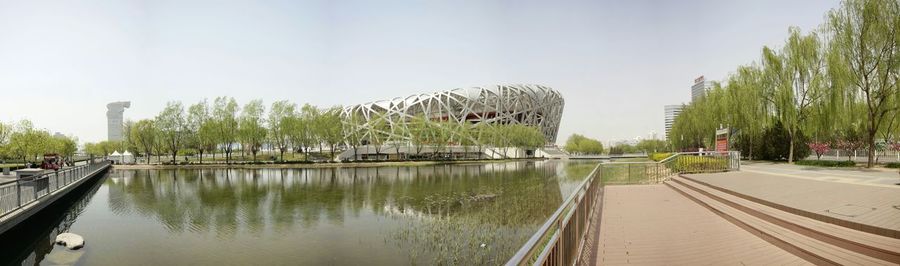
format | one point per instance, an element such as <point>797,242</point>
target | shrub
<point>892,165</point>
<point>659,156</point>
<point>775,145</point>
<point>826,163</point>
<point>693,164</point>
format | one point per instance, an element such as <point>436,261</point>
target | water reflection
<point>378,215</point>
<point>32,241</point>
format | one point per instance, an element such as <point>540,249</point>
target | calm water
<point>347,216</point>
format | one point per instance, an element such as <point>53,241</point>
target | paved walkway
<point>870,205</point>
<point>883,176</point>
<point>653,224</point>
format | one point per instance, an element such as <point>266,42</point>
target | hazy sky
<point>615,62</point>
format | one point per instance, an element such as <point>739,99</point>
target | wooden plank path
<point>655,225</point>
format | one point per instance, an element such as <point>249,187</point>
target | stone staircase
<point>815,240</point>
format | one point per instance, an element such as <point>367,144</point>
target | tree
<point>819,148</point>
<point>355,132</point>
<point>27,142</point>
<point>379,131</point>
<point>225,113</point>
<point>65,146</point>
<point>418,129</point>
<point>746,107</point>
<point>281,117</point>
<point>526,137</point>
<point>796,78</point>
<point>202,127</point>
<point>128,144</point>
<point>305,131</point>
<point>5,131</point>
<point>651,145</point>
<point>578,144</point>
<point>172,126</point>
<point>252,129</point>
<point>329,128</point>
<point>438,135</point>
<point>864,38</point>
<point>144,134</point>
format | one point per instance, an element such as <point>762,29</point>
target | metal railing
<point>560,240</point>
<point>20,192</point>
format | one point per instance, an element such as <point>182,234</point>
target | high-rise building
<point>672,111</point>
<point>700,87</point>
<point>114,120</point>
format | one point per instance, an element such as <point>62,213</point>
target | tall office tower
<point>700,87</point>
<point>672,111</point>
<point>114,120</point>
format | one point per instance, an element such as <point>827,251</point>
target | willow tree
<point>330,128</point>
<point>864,37</point>
<point>746,105</point>
<point>203,127</point>
<point>796,79</point>
<point>144,134</point>
<point>252,126</point>
<point>225,114</point>
<point>280,118</point>
<point>172,124</point>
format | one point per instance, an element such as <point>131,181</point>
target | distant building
<point>672,111</point>
<point>700,87</point>
<point>114,120</point>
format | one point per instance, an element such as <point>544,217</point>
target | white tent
<point>127,157</point>
<point>115,157</point>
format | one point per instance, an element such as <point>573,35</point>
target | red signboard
<point>722,140</point>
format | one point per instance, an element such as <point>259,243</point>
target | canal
<point>464,214</point>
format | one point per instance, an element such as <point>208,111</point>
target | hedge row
<point>659,156</point>
<point>826,163</point>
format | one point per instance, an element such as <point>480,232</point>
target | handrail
<point>527,251</point>
<point>20,192</point>
<point>560,240</point>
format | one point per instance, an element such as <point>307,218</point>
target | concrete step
<point>873,245</point>
<point>813,250</point>
<point>854,225</point>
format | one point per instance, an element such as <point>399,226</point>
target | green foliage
<point>892,165</point>
<point>623,148</point>
<point>694,164</point>
<point>862,61</point>
<point>827,163</point>
<point>172,125</point>
<point>144,134</point>
<point>840,87</point>
<point>225,115</point>
<point>775,144</point>
<point>651,146</point>
<point>659,156</point>
<point>578,144</point>
<point>252,130</point>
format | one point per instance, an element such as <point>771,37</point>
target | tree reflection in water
<point>444,212</point>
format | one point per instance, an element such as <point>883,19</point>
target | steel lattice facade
<point>532,105</point>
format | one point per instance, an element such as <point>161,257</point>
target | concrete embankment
<point>17,216</point>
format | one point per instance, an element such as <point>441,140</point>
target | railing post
<point>18,194</point>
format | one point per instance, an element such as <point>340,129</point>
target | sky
<point>616,63</point>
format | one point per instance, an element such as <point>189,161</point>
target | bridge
<point>22,198</point>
